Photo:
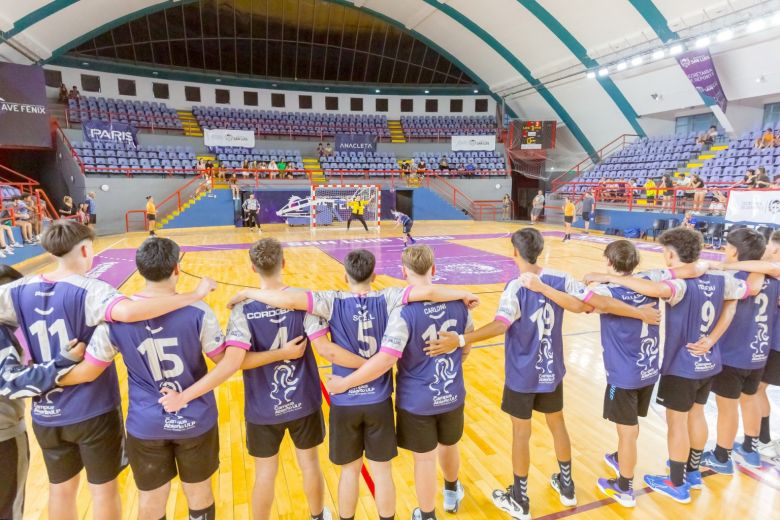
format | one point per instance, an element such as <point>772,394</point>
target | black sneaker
<point>504,500</point>
<point>566,493</point>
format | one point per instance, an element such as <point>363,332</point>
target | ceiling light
<point>674,50</point>
<point>756,25</point>
<point>622,65</point>
<point>327,88</point>
<point>725,35</point>
<point>760,79</point>
<point>377,91</point>
<point>591,75</point>
<point>155,72</point>
<point>703,42</point>
<point>427,91</point>
<point>657,55</point>
<point>637,61</point>
<point>476,91</point>
<point>85,63</point>
<point>273,84</point>
<point>603,72</point>
<point>219,80</point>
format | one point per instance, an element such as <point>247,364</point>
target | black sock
<point>210,513</point>
<point>676,472</point>
<point>750,444</point>
<point>319,516</point>
<point>694,458</point>
<point>765,436</point>
<point>565,466</point>
<point>616,457</point>
<point>347,517</point>
<point>625,484</point>
<point>431,515</point>
<point>722,454</point>
<point>163,518</point>
<point>450,486</point>
<point>520,489</point>
<point>387,517</point>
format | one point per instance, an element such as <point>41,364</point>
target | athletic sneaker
<point>452,499</point>
<point>9,250</point>
<point>2,255</point>
<point>662,484</point>
<point>504,501</point>
<point>693,478</point>
<point>326,514</point>
<point>709,460</point>
<point>612,462</point>
<point>610,488</point>
<point>751,459</point>
<point>566,493</point>
<point>769,449</point>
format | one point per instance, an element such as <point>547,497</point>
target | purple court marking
<point>113,266</point>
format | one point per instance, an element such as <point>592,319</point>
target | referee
<point>151,214</point>
<point>251,206</point>
<point>357,208</point>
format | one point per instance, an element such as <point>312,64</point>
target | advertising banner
<point>474,142</point>
<point>700,69</point>
<point>113,132</point>
<point>224,137</point>
<point>356,143</point>
<point>758,206</point>
<point>24,118</point>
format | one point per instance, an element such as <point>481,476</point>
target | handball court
<point>472,255</point>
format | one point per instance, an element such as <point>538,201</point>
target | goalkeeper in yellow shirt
<point>357,209</point>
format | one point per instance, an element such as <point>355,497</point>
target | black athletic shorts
<point>157,462</point>
<point>422,433</point>
<point>626,406</point>
<point>586,216</point>
<point>522,405</point>
<point>366,428</point>
<point>568,219</point>
<point>14,463</point>
<point>97,444</point>
<point>93,218</point>
<point>771,374</point>
<point>733,382</point>
<point>408,228</point>
<point>151,218</point>
<point>680,393</point>
<point>263,440</point>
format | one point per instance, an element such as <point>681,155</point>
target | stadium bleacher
<point>232,157</point>
<point>445,126</point>
<point>295,124</point>
<point>355,163</point>
<point>484,163</point>
<point>141,114</point>
<point>100,157</point>
<point>9,192</point>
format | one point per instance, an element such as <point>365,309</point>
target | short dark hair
<point>63,235</point>
<point>687,243</point>
<point>750,243</point>
<point>528,243</point>
<point>157,258</point>
<point>359,265</point>
<point>266,255</point>
<point>622,255</point>
<point>8,274</point>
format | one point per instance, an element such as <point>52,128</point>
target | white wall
<point>110,88</point>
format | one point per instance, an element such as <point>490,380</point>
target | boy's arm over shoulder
<point>7,310</point>
<point>101,352</point>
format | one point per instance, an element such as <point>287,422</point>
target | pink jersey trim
<point>111,307</point>
<point>309,302</point>
<point>747,292</point>
<point>407,293</point>
<point>229,343</point>
<point>391,352</point>
<point>588,296</point>
<point>670,286</point>
<point>672,273</point>
<point>319,333</point>
<point>92,360</point>
<point>503,320</point>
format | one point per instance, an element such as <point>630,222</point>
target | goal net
<point>333,204</point>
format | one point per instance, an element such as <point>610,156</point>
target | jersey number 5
<point>154,350</point>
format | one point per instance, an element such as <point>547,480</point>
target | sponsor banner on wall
<point>700,69</point>
<point>356,143</point>
<point>474,142</point>
<point>224,137</point>
<point>24,121</point>
<point>113,132</point>
<point>761,207</point>
<point>273,202</point>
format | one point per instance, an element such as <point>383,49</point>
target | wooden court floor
<point>486,445</point>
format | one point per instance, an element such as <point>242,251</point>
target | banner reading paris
<point>24,121</point>
<point>700,69</point>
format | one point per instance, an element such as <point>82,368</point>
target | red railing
<point>611,147</point>
<point>69,146</point>
<point>26,186</point>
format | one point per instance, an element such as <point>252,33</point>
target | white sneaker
<point>770,449</point>
<point>326,514</point>
<point>504,501</point>
<point>2,255</point>
<point>452,499</point>
<point>16,245</point>
<point>9,250</point>
<point>566,493</point>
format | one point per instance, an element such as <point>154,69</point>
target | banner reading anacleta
<point>224,137</point>
<point>356,142</point>
<point>757,206</point>
<point>474,142</point>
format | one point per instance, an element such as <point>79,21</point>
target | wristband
<point>461,341</point>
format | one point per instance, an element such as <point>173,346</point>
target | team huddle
<point>720,335</point>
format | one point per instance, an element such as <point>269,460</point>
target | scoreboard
<point>537,135</point>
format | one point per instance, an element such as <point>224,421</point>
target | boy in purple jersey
<point>430,394</point>
<point>361,420</point>
<point>81,426</point>
<point>175,434</point>
<point>282,383</point>
<point>534,369</point>
<point>690,360</point>
<point>402,219</point>
<point>770,266</point>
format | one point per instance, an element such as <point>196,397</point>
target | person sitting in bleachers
<point>709,136</point>
<point>777,137</point>
<point>443,164</point>
<point>272,168</point>
<point>320,150</point>
<point>406,168</point>
<point>66,209</point>
<point>762,179</point>
<point>776,182</point>
<point>766,140</point>
<point>421,167</point>
<point>718,206</point>
<point>74,93</point>
<point>328,150</point>
<point>749,180</point>
<point>63,97</point>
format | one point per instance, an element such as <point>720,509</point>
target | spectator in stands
<point>664,192</point>
<point>470,168</point>
<point>537,205</point>
<point>776,182</point>
<point>685,183</point>
<point>699,192</point>
<point>443,164</point>
<point>23,215</point>
<point>320,150</point>
<point>260,168</point>
<point>7,245</point>
<point>689,221</point>
<point>718,206</point>
<point>273,170</point>
<point>777,137</point>
<point>209,167</point>
<point>709,136</point>
<point>588,205</point>
<point>421,168</point>
<point>92,209</point>
<point>328,150</point>
<point>766,140</point>
<point>245,167</point>
<point>650,192</point>
<point>282,166</point>
<point>74,94</point>
<point>151,214</point>
<point>749,179</point>
<point>233,181</point>
<point>24,225</point>
<point>82,215</point>
<point>406,168</point>
<point>507,203</point>
<point>200,166</point>
<point>762,179</point>
<point>66,209</point>
<point>63,98</point>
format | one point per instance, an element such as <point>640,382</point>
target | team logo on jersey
<point>46,405</point>
<point>363,313</point>
<point>648,358</point>
<point>760,343</point>
<point>444,376</point>
<point>284,385</point>
<point>545,361</point>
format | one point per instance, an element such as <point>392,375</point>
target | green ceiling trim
<point>655,19</point>
<point>35,16</point>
